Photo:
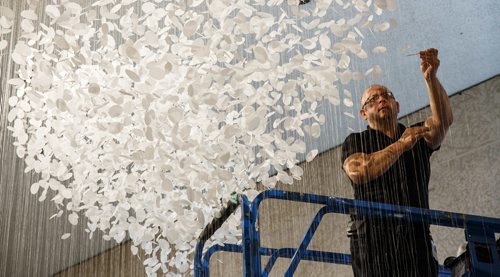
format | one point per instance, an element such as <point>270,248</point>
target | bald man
<point>389,163</point>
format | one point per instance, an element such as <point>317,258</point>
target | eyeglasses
<point>372,99</point>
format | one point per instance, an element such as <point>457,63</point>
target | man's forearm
<point>363,168</point>
<point>439,103</point>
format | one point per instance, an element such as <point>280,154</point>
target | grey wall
<point>117,261</point>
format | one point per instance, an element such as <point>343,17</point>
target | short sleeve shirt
<point>406,182</point>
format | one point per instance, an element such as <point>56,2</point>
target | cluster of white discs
<point>144,116</point>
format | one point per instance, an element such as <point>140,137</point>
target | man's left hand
<point>429,63</point>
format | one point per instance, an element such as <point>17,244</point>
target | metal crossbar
<point>479,231</point>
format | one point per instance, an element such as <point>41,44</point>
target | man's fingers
<point>429,54</point>
<point>422,129</point>
<point>419,131</point>
<point>413,134</point>
<point>428,57</point>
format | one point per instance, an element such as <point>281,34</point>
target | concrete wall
<point>465,174</point>
<point>117,261</point>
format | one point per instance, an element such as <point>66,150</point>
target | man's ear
<point>397,106</point>
<point>363,114</point>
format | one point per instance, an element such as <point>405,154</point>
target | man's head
<point>378,106</point>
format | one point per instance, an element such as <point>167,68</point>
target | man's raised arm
<point>442,116</point>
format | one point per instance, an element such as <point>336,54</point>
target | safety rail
<point>479,233</point>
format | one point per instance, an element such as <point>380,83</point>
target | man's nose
<point>380,98</point>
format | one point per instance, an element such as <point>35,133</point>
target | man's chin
<point>386,119</point>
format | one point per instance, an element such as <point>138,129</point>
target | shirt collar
<point>401,129</point>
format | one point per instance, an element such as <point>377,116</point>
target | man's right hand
<point>411,136</point>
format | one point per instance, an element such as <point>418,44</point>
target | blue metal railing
<point>479,231</point>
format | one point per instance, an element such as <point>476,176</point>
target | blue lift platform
<point>479,233</point>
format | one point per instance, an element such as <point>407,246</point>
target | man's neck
<point>389,129</point>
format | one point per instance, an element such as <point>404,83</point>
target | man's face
<point>379,105</point>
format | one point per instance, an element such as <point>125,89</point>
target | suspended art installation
<point>144,116</point>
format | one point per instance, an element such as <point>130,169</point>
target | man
<point>390,163</point>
